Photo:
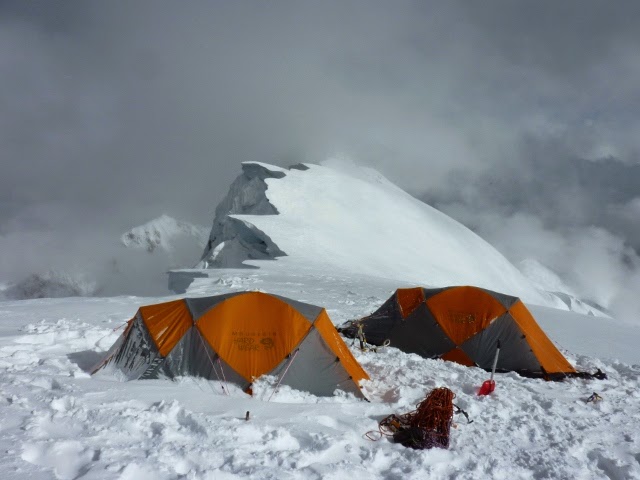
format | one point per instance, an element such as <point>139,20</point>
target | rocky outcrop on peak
<point>233,240</point>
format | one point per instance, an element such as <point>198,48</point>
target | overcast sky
<point>518,118</point>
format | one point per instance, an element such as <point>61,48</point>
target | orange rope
<point>433,416</point>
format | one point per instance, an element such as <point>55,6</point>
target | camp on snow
<point>237,338</point>
<point>464,324</point>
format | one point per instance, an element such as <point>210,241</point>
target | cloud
<point>112,112</point>
<point>595,263</point>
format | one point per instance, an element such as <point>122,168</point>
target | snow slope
<point>58,422</point>
<point>354,220</point>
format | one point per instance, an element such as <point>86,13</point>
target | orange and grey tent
<point>237,338</point>
<point>463,324</point>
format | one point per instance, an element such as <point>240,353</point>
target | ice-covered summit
<point>351,219</point>
<point>163,233</point>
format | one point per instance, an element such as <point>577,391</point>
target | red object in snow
<point>490,385</point>
<point>487,387</point>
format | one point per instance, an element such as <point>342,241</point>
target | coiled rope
<point>426,427</point>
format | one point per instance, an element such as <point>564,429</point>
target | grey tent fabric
<point>463,324</point>
<point>198,306</point>
<point>316,364</point>
<point>515,352</point>
<point>314,367</point>
<point>420,333</point>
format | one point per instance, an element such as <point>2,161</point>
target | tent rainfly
<point>463,324</point>
<point>237,338</point>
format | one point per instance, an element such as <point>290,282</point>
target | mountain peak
<point>161,233</point>
<point>342,217</point>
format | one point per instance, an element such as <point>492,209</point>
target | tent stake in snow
<point>490,385</point>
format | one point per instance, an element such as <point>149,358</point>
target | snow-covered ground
<point>56,421</point>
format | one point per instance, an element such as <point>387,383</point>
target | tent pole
<point>222,371</point>
<point>284,373</point>
<point>211,361</point>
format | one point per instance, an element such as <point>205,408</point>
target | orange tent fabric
<point>237,337</point>
<point>463,324</point>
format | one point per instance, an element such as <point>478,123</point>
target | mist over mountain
<point>50,284</point>
<point>337,214</point>
<point>510,118</point>
<point>578,215</point>
<point>572,193</point>
<point>137,264</point>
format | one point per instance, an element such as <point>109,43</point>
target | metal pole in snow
<point>495,361</point>
<point>490,385</point>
